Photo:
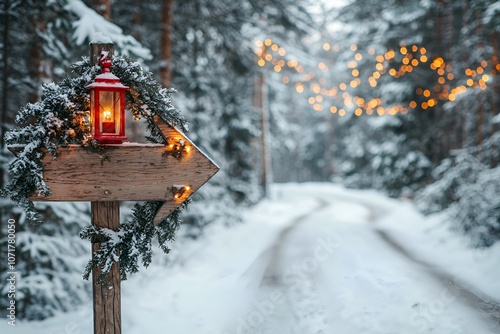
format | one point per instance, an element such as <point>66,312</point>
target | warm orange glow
<point>413,104</point>
<point>480,70</point>
<point>277,68</point>
<point>311,100</point>
<point>268,42</point>
<point>355,73</point>
<point>485,78</point>
<point>358,56</point>
<point>376,75</point>
<point>379,66</point>
<point>342,86</point>
<point>431,103</point>
<point>318,107</point>
<point>106,115</point>
<point>414,48</point>
<point>354,47</point>
<point>423,50</point>
<point>423,59</point>
<point>285,80</point>
<point>414,62</point>
<point>441,80</point>
<point>259,43</point>
<point>261,62</point>
<point>319,98</point>
<point>341,112</point>
<point>352,64</point>
<point>403,50</point>
<point>358,112</point>
<point>450,76</point>
<point>322,66</point>
<point>438,62</point>
<point>326,46</point>
<point>484,63</point>
<point>405,61</point>
<point>392,72</point>
<point>333,109</point>
<point>427,93</point>
<point>379,58</point>
<point>282,52</point>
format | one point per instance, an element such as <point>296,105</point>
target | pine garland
<point>58,119</point>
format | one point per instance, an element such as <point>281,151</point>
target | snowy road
<point>332,272</point>
<point>316,258</point>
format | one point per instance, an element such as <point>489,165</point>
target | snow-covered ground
<point>316,258</point>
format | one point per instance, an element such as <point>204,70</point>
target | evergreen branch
<point>60,118</point>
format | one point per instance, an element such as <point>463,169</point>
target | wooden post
<point>96,48</point>
<point>107,296</point>
<point>107,300</point>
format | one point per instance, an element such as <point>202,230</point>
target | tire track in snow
<point>488,309</point>
<point>299,309</point>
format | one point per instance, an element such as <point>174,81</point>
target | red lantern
<point>107,105</point>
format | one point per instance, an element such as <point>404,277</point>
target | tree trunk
<point>496,84</point>
<point>329,170</point>
<point>103,7</point>
<point>137,20</point>
<point>3,118</point>
<point>36,59</point>
<point>5,80</point>
<point>166,42</point>
<point>260,104</point>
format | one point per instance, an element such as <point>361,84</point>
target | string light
<point>180,191</point>
<point>410,58</point>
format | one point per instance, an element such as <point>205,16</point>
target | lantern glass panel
<point>91,120</point>
<point>109,112</point>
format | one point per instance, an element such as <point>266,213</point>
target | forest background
<point>397,96</point>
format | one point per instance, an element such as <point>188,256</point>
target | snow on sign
<point>169,172</point>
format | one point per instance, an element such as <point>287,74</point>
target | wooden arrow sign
<point>169,172</point>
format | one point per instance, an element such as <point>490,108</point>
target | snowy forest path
<point>488,309</point>
<point>333,271</point>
